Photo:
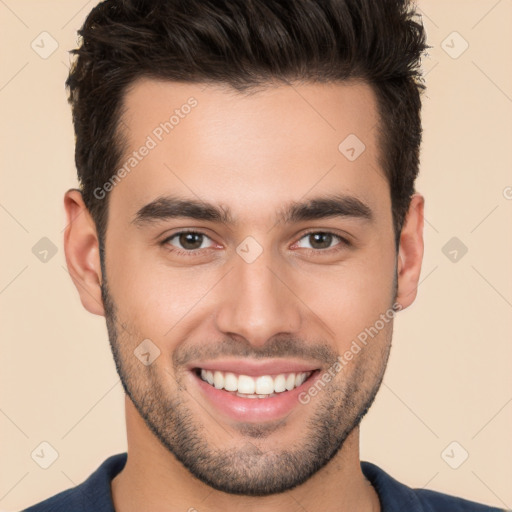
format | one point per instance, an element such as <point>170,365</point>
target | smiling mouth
<point>262,386</point>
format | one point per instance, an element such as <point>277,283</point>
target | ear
<point>410,253</point>
<point>81,247</point>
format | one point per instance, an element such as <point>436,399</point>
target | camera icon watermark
<point>44,45</point>
<point>146,352</point>
<point>249,249</point>
<point>454,45</point>
<point>44,455</point>
<point>454,249</point>
<point>44,250</point>
<point>352,147</point>
<point>454,455</point>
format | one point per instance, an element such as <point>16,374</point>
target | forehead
<point>249,151</point>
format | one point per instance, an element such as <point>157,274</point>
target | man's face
<point>260,292</point>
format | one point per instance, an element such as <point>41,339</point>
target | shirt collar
<point>393,495</point>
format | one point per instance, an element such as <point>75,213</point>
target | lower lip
<point>254,409</point>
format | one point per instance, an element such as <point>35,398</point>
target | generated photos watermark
<point>152,140</point>
<point>355,347</point>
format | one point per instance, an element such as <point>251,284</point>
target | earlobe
<point>410,255</point>
<point>81,247</point>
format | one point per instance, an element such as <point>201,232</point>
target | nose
<point>258,301</point>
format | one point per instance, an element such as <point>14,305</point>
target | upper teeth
<point>263,385</point>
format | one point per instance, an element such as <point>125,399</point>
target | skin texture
<point>253,154</point>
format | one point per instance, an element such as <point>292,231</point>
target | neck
<point>153,479</point>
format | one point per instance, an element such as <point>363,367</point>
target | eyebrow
<point>322,207</point>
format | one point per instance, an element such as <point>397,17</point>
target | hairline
<point>120,138</point>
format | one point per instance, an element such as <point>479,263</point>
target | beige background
<point>449,376</point>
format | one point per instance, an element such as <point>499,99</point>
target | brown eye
<point>321,240</point>
<point>188,241</point>
<point>191,240</point>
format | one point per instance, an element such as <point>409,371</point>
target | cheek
<point>351,298</point>
<point>153,297</point>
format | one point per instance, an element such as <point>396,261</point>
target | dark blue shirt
<point>94,494</point>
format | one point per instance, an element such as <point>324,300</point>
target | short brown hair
<point>246,44</point>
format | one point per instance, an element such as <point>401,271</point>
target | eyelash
<point>195,252</point>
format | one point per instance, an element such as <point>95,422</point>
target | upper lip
<point>255,368</point>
